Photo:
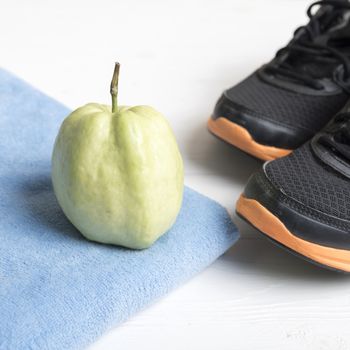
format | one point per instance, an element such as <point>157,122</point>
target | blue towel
<point>58,290</point>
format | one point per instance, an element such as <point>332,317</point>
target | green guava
<point>117,172</point>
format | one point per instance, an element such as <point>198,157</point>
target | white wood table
<point>178,56</point>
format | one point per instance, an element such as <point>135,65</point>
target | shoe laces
<point>311,41</point>
<point>336,136</point>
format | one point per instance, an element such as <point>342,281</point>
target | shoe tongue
<point>338,28</point>
<point>342,22</point>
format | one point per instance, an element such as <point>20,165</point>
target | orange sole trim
<point>266,222</point>
<point>239,137</point>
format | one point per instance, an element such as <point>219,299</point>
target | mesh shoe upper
<point>306,179</point>
<point>308,81</point>
<point>297,110</point>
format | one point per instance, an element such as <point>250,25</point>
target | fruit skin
<point>118,176</point>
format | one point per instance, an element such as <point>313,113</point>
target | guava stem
<point>114,87</point>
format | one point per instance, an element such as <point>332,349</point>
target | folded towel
<point>58,290</point>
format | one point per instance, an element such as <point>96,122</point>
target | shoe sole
<point>263,220</point>
<point>240,137</point>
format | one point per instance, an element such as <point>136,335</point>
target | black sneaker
<point>284,103</point>
<point>302,201</point>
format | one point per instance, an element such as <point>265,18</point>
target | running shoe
<point>302,201</point>
<point>287,101</point>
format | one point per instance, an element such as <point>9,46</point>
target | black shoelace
<point>307,44</point>
<point>337,136</point>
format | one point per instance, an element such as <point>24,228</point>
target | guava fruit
<point>117,172</point>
